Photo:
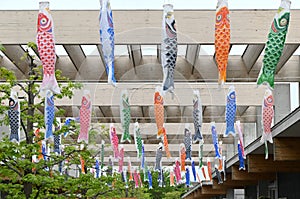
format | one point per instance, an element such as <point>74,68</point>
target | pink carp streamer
<point>46,48</point>
<point>136,179</point>
<point>85,117</point>
<point>140,179</point>
<point>121,158</point>
<point>114,140</point>
<point>267,117</point>
<point>177,171</point>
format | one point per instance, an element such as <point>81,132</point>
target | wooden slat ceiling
<point>140,74</point>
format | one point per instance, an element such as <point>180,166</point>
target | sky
<point>142,4</point>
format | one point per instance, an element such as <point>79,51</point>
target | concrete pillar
<point>249,130</point>
<point>288,185</point>
<point>251,192</point>
<point>258,121</point>
<point>262,188</point>
<point>230,193</point>
<point>229,151</point>
<point>282,101</point>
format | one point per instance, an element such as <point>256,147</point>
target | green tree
<point>19,176</point>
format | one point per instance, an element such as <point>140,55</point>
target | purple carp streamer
<point>49,114</point>
<point>14,117</point>
<point>46,48</point>
<point>107,39</point>
<point>85,117</point>
<point>168,48</point>
<point>275,44</point>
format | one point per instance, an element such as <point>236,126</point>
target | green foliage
<point>21,178</point>
<point>2,47</point>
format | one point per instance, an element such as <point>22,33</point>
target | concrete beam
<point>286,149</point>
<point>244,175</point>
<point>5,62</point>
<point>251,54</point>
<point>192,53</point>
<point>135,54</point>
<point>14,53</point>
<point>288,51</point>
<point>142,95</point>
<point>76,54</point>
<point>281,94</point>
<point>258,164</point>
<point>195,26</point>
<point>208,190</point>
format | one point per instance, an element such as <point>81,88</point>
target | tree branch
<point>58,161</point>
<point>24,128</point>
<point>101,193</point>
<point>11,168</point>
<point>38,193</point>
<point>22,87</point>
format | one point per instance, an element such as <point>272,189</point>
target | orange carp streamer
<point>159,113</point>
<point>222,38</point>
<point>166,144</point>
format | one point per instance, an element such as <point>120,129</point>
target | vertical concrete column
<point>249,130</point>
<point>282,101</point>
<point>251,192</point>
<point>263,188</point>
<point>258,120</point>
<point>230,193</point>
<point>229,151</point>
